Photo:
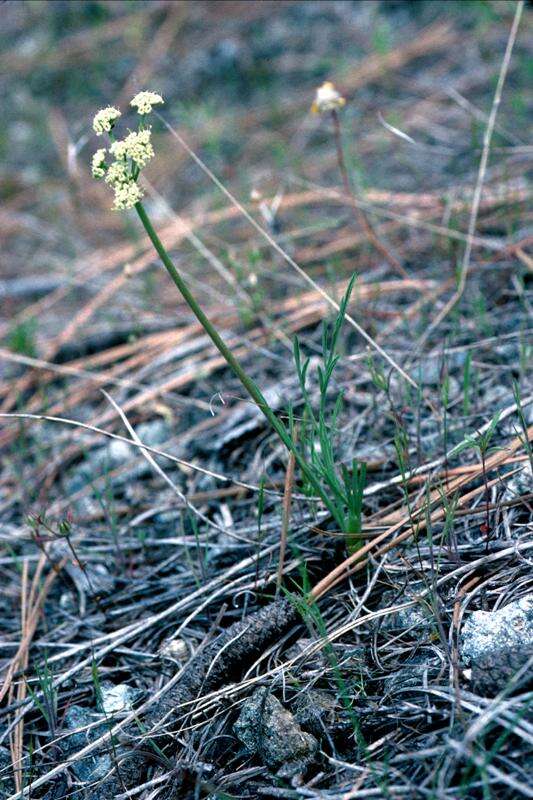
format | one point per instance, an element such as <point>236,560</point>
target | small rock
<point>175,650</point>
<point>271,732</point>
<point>312,660</point>
<point>117,697</point>
<point>375,455</point>
<point>429,371</point>
<point>496,644</point>
<point>90,579</point>
<point>115,454</point>
<point>406,618</point>
<point>240,423</point>
<point>79,720</point>
<point>497,398</point>
<point>59,790</point>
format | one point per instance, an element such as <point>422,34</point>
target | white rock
<point>507,628</point>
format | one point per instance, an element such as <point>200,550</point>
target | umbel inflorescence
<point>120,165</point>
<point>327,98</point>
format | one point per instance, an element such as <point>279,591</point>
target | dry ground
<point>118,571</point>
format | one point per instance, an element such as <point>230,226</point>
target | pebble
<point>78,720</point>
<point>496,644</point>
<point>117,697</point>
<point>271,732</point>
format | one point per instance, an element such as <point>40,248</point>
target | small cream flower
<point>126,195</point>
<point>98,163</point>
<point>143,102</point>
<point>327,98</point>
<point>118,149</point>
<point>105,119</point>
<point>137,146</point>
<point>117,173</point>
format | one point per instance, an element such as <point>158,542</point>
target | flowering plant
<point>120,167</point>
<point>327,98</point>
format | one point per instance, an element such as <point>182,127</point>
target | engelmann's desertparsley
<point>104,121</point>
<point>126,195</point>
<point>98,163</point>
<point>327,98</point>
<point>128,156</point>
<point>117,173</point>
<point>137,146</point>
<point>143,102</point>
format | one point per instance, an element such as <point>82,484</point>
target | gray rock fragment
<point>90,580</point>
<point>271,732</point>
<point>117,697</point>
<point>312,660</point>
<point>497,644</point>
<point>117,453</point>
<point>82,722</point>
<point>241,422</point>
<point>406,618</point>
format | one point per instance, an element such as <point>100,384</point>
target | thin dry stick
<point>487,138</point>
<point>272,242</point>
<point>30,607</point>
<point>455,642</point>
<point>16,737</point>
<point>30,628</point>
<point>358,211</point>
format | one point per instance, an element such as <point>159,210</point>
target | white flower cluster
<point>327,98</point>
<point>98,163</point>
<point>137,146</point>
<point>143,102</point>
<point>126,195</point>
<point>118,175</point>
<point>130,154</point>
<point>104,120</point>
<point>122,174</point>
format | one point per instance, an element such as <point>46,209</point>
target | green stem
<point>250,386</point>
